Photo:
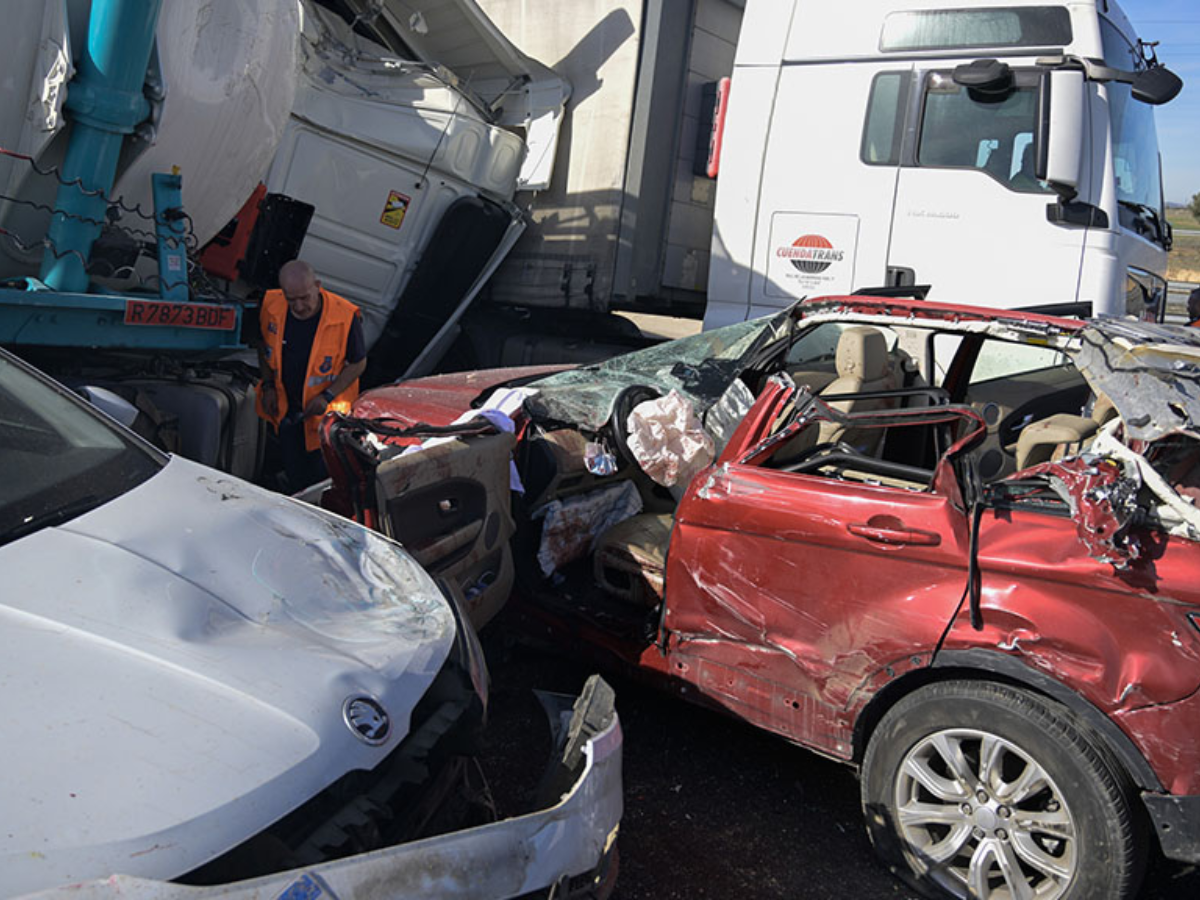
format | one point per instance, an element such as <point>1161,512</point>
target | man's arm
<point>356,364</point>
<point>318,404</point>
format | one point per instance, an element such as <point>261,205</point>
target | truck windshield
<point>60,459</point>
<point>1134,137</point>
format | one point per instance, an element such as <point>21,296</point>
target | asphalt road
<point>714,808</point>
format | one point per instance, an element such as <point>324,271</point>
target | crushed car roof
<point>1150,372</point>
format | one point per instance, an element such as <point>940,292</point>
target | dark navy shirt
<point>298,335</point>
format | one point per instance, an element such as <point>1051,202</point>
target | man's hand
<point>315,408</point>
<point>270,400</point>
<point>318,404</point>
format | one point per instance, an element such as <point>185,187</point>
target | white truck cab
<point>1004,155</point>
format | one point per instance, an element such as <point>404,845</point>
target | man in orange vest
<point>310,359</point>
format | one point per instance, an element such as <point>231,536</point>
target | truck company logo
<point>811,254</point>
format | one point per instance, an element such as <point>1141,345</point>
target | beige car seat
<point>862,366</point>
<point>631,558</point>
<point>1061,434</point>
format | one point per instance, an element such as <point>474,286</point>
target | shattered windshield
<point>700,367</point>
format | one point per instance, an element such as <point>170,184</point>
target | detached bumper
<point>1177,823</point>
<point>568,845</point>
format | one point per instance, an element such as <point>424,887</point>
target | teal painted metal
<point>168,226</point>
<point>105,103</point>
<point>46,318</point>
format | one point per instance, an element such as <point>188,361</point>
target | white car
<point>207,684</point>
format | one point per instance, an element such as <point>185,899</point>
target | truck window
<point>1134,138</point>
<point>884,125</point>
<point>960,130</point>
<point>964,29</point>
<point>1145,294</point>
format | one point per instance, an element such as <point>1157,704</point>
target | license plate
<point>180,315</point>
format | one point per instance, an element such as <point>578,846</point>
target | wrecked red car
<point>954,547</point>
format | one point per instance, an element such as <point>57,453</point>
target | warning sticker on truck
<point>810,254</point>
<point>394,209</point>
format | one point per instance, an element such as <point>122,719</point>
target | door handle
<point>895,535</point>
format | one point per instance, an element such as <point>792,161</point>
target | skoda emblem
<point>367,719</point>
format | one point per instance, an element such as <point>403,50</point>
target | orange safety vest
<point>325,361</point>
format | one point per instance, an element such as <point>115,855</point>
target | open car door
<point>447,501</point>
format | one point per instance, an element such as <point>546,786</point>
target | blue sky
<point>1176,25</point>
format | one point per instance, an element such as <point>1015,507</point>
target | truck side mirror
<point>1156,86</point>
<point>1062,97</point>
<point>988,77</point>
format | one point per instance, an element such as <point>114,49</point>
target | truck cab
<point>1006,153</point>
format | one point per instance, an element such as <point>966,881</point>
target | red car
<point>954,547</point>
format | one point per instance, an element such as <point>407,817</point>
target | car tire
<point>975,789</point>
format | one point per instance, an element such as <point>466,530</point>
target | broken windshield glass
<point>701,367</point>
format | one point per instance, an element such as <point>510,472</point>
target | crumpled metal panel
<point>1150,372</point>
<point>1118,637</point>
<point>1103,503</point>
<point>509,858</point>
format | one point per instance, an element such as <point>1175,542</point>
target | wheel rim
<point>980,817</point>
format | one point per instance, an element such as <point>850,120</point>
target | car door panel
<point>787,594</point>
<point>449,505</point>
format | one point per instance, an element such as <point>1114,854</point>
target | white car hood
<point>175,665</point>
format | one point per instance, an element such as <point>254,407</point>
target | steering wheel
<point>623,405</point>
<point>811,458</point>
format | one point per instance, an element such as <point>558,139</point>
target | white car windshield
<point>60,458</point>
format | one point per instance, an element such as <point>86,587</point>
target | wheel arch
<point>978,664</point>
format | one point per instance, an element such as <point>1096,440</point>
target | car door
<point>792,597</point>
<point>449,505</point>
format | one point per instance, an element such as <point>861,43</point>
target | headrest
<point>862,353</point>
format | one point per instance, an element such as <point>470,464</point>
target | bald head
<point>300,288</point>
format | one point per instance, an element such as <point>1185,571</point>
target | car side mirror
<point>1062,97</point>
<point>1156,86</point>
